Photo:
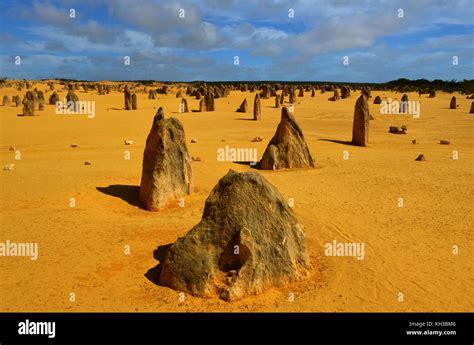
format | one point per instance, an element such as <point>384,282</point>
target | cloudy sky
<point>185,40</point>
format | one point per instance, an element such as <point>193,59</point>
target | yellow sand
<point>81,249</point>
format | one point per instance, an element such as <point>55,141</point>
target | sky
<point>237,40</point>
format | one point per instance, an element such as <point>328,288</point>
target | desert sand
<point>408,249</point>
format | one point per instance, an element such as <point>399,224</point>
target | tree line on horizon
<point>465,86</point>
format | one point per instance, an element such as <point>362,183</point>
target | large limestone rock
<point>41,101</point>
<point>345,91</point>
<point>72,101</point>
<point>209,100</point>
<point>128,98</point>
<point>288,148</point>
<point>452,104</point>
<point>247,241</point>
<point>265,92</point>
<point>184,106</point>
<point>202,105</point>
<point>134,102</point>
<point>6,101</point>
<point>243,107</point>
<point>360,127</point>
<point>53,98</point>
<point>292,95</point>
<point>152,94</point>
<point>257,112</point>
<point>29,104</point>
<point>167,172</point>
<point>403,104</point>
<point>366,91</point>
<point>336,96</point>
<point>17,100</point>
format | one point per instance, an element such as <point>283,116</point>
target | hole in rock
<point>229,260</point>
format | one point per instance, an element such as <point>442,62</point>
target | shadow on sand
<point>244,119</point>
<point>153,274</point>
<point>256,165</point>
<point>343,142</point>
<point>125,192</point>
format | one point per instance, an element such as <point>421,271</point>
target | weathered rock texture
<point>360,127</point>
<point>40,98</point>
<point>184,105</point>
<point>202,105</point>
<point>404,104</point>
<point>72,101</point>
<point>17,100</point>
<point>247,241</point>
<point>345,91</point>
<point>152,94</point>
<point>167,172</point>
<point>452,104</point>
<point>134,102</point>
<point>53,98</point>
<point>209,99</point>
<point>29,103</point>
<point>366,91</point>
<point>6,101</point>
<point>257,112</point>
<point>128,98</point>
<point>288,148</point>
<point>397,130</point>
<point>377,100</point>
<point>243,107</point>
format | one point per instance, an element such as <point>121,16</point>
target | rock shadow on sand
<point>252,165</point>
<point>153,274</point>
<point>343,142</point>
<point>127,193</point>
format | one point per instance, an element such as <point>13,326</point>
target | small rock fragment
<point>420,158</point>
<point>397,130</point>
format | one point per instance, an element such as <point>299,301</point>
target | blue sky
<point>270,44</point>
